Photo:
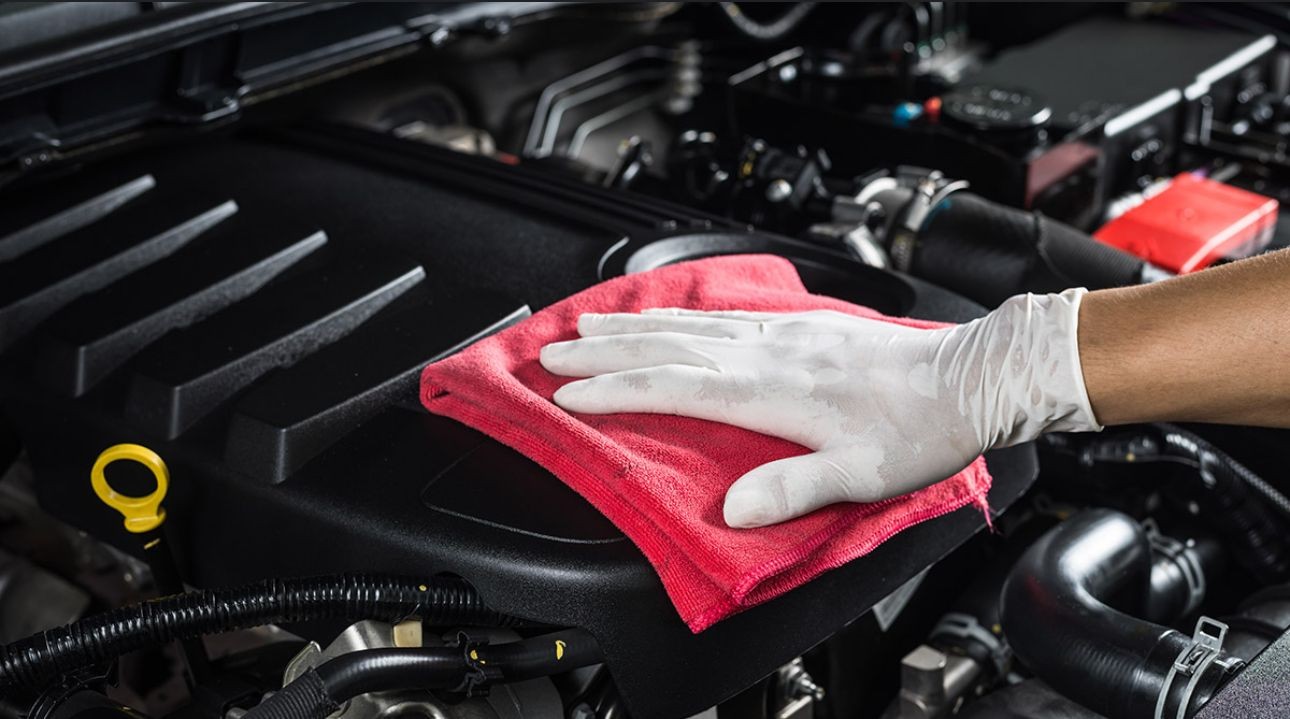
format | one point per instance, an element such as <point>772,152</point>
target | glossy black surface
<point>288,412</point>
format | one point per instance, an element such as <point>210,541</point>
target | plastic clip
<point>478,674</point>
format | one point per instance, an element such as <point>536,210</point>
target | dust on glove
<point>886,409</point>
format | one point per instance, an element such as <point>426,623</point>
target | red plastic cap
<point>932,108</point>
<point>1192,223</point>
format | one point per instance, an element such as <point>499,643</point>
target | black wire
<point>35,661</point>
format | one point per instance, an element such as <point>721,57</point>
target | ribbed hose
<point>1196,447</point>
<point>35,661</point>
<point>305,698</point>
<point>1057,618</point>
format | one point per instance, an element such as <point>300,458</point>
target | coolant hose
<point>36,660</point>
<point>322,690</point>
<point>989,252</point>
<point>1058,618</point>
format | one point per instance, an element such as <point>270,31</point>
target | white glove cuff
<point>1032,381</point>
<point>1086,420</point>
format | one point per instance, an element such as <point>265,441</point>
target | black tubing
<point>989,252</point>
<point>1248,526</point>
<point>539,656</point>
<point>35,661</point>
<point>1193,446</point>
<point>304,698</point>
<point>374,670</point>
<point>326,687</point>
<point>1058,621</point>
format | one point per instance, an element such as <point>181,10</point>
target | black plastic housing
<point>270,351</point>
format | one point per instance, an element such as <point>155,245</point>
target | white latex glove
<point>887,409</point>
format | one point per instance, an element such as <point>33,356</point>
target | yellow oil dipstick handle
<point>144,517</point>
<point>142,514</point>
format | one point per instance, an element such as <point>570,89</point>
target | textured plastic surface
<point>1260,691</point>
<point>1192,223</point>
<point>287,411</point>
<point>75,73</point>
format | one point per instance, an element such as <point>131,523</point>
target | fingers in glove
<point>668,389</point>
<point>592,356</point>
<point>725,396</point>
<point>740,315</point>
<point>597,325</point>
<point>746,324</point>
<point>788,488</point>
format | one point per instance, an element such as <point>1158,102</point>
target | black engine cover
<point>257,308</point>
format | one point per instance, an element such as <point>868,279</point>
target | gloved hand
<point>887,409</point>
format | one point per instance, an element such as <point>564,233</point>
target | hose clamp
<point>1184,558</point>
<point>929,192</point>
<point>1204,649</point>
<point>967,627</point>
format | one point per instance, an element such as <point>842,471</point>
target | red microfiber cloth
<point>662,479</point>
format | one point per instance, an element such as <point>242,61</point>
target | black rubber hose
<point>323,689</point>
<point>544,655</point>
<point>35,661</point>
<point>1058,619</point>
<point>1209,457</point>
<point>375,670</point>
<point>1232,494</point>
<point>304,698</point>
<point>989,252</point>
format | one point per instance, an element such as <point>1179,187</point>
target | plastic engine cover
<point>257,309</point>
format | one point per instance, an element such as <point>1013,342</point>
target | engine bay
<point>234,235</point>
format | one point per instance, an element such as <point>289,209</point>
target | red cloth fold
<point>662,479</point>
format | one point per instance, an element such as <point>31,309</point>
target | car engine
<point>234,234</point>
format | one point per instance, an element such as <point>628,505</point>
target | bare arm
<point>889,409</point>
<point>1208,347</point>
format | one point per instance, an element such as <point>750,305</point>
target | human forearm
<point>1208,347</point>
<point>888,409</point>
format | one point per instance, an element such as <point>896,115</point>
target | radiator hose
<point>33,662</point>
<point>323,690</point>
<point>1058,617</point>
